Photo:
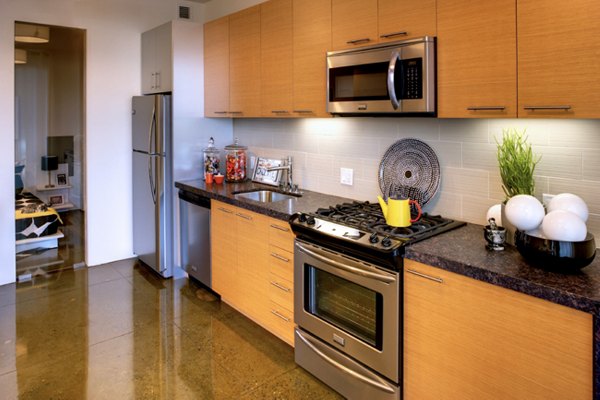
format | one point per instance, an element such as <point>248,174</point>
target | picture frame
<point>61,179</point>
<point>261,175</point>
<point>56,200</point>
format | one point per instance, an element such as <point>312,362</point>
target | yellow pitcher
<point>397,211</point>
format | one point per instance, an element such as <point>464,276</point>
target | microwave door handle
<point>391,79</point>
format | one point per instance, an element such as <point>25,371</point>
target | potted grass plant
<point>517,163</point>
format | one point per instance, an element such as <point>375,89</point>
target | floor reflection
<point>69,253</point>
<point>118,331</point>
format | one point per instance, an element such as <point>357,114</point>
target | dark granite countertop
<point>463,251</point>
<point>308,202</point>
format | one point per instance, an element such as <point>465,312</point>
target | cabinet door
<point>465,339</point>
<point>476,59</point>
<point>244,63</point>
<point>148,57</point>
<point>312,40</point>
<point>223,247</point>
<point>276,58</point>
<point>253,264</point>
<point>163,62</point>
<point>216,68</point>
<point>404,19</point>
<point>558,58</point>
<point>354,23</point>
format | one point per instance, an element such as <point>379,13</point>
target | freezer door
<point>143,123</point>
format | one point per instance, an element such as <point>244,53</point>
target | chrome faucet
<point>287,166</point>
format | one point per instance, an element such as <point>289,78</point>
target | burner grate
<point>369,217</point>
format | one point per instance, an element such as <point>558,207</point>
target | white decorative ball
<point>495,212</point>
<point>524,212</point>
<point>564,226</point>
<point>569,202</point>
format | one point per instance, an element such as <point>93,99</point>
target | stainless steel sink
<point>264,196</point>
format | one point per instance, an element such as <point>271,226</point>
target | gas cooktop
<point>359,228</point>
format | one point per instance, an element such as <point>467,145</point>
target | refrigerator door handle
<point>151,133</point>
<point>151,178</point>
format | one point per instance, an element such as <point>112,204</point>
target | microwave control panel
<point>412,79</point>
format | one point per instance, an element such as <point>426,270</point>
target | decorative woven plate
<point>410,169</point>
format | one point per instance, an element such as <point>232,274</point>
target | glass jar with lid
<point>212,159</point>
<point>235,162</point>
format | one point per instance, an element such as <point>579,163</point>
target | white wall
<point>112,78</point>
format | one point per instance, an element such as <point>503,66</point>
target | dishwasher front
<point>194,225</point>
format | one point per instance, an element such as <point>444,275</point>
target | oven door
<point>352,305</point>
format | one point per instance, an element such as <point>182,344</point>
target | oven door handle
<point>348,268</point>
<point>379,385</point>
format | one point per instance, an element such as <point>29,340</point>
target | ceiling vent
<point>184,12</point>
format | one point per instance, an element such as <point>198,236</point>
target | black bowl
<point>556,254</point>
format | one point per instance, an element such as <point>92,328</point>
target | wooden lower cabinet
<point>466,339</point>
<point>252,268</point>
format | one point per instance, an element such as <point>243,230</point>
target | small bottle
<point>235,162</point>
<point>211,158</point>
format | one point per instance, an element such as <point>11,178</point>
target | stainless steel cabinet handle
<point>280,286</point>
<point>248,217</point>
<point>286,319</point>
<point>280,111</point>
<point>220,112</point>
<point>281,228</point>
<point>533,108</point>
<point>303,111</point>
<point>158,80</point>
<point>282,258</point>
<point>358,41</point>
<point>486,108</point>
<point>225,210</point>
<point>153,81</point>
<point>422,275</point>
<point>393,34</point>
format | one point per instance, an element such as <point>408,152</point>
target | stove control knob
<point>310,220</point>
<point>373,238</point>
<point>302,217</point>
<point>386,242</point>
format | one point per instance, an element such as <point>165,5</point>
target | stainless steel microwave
<point>389,78</point>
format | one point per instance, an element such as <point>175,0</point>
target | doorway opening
<point>49,148</point>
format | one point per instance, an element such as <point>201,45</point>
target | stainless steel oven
<point>348,316</point>
<point>389,78</point>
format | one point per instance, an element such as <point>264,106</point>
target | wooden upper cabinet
<point>558,58</point>
<point>353,23</point>
<point>402,19</point>
<point>466,339</point>
<point>244,63</point>
<point>311,41</point>
<point>477,65</point>
<point>216,68</point>
<point>276,58</point>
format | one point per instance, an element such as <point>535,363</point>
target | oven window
<point>344,304</point>
<point>359,83</point>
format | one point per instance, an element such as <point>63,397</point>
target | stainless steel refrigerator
<point>153,182</point>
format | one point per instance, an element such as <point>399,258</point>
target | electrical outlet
<point>346,176</point>
<point>546,199</point>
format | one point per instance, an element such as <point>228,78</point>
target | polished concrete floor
<point>119,332</point>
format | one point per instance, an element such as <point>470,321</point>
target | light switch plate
<point>346,176</point>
